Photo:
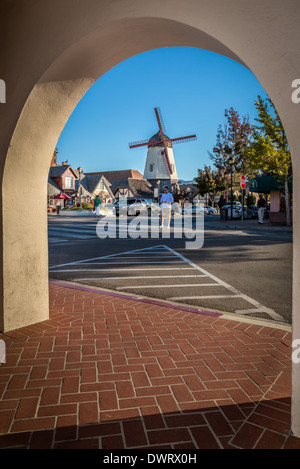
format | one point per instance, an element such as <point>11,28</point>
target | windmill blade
<point>160,121</point>
<point>140,143</point>
<point>188,138</point>
<point>162,132</point>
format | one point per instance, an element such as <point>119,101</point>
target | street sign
<point>243,181</point>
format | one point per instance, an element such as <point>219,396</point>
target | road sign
<point>243,181</point>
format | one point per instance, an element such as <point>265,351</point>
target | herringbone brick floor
<point>108,372</point>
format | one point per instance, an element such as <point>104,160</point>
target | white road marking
<point>169,286</point>
<point>139,277</point>
<point>101,257</point>
<point>198,297</point>
<point>132,262</point>
<point>250,300</point>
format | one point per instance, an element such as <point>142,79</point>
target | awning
<point>266,184</point>
<point>61,196</point>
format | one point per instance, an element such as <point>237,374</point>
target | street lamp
<point>79,185</point>
<point>230,161</point>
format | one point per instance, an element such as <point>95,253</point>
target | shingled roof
<point>53,188</point>
<point>153,142</point>
<point>119,175</point>
<point>59,170</point>
<point>138,187</point>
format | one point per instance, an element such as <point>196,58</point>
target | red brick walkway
<point>108,372</point>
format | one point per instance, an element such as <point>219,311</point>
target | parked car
<point>175,209</point>
<point>193,210</point>
<point>135,206</point>
<point>237,211</point>
<point>254,211</point>
<point>210,210</point>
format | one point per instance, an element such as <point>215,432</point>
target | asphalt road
<point>239,271</point>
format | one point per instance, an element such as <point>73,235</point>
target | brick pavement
<point>111,372</point>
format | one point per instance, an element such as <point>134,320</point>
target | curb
<point>269,228</point>
<point>182,307</point>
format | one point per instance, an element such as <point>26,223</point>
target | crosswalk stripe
<point>139,277</point>
<point>169,286</point>
<point>198,297</point>
<point>115,262</point>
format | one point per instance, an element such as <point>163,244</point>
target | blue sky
<point>192,87</point>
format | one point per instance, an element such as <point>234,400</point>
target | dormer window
<point>68,182</point>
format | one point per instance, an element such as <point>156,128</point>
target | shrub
<point>87,206</point>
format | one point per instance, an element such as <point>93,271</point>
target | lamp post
<point>230,161</point>
<point>79,186</point>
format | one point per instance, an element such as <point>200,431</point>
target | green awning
<point>266,184</point>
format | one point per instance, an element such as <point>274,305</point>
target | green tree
<point>210,182</point>
<point>232,140</point>
<point>269,151</point>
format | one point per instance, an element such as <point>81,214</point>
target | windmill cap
<point>157,138</point>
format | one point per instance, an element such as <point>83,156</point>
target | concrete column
<point>296,303</point>
<point>275,201</point>
<point>25,240</point>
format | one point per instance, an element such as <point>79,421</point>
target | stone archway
<point>66,49</point>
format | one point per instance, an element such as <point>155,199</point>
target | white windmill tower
<point>160,168</point>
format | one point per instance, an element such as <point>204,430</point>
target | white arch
<point>64,47</point>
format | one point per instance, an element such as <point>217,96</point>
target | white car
<point>210,210</point>
<point>237,211</point>
<point>193,210</point>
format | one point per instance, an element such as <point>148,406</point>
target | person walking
<point>261,205</point>
<point>166,201</point>
<point>97,203</point>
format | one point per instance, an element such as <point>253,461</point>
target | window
<point>151,168</point>
<point>68,182</point>
<point>101,186</point>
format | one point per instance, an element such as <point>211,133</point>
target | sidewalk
<point>111,371</point>
<point>248,224</point>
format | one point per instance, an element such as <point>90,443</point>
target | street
<point>247,272</point>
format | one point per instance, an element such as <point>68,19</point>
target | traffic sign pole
<point>243,185</point>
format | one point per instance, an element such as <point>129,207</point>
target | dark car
<point>254,210</point>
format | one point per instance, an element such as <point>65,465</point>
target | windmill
<point>160,163</point>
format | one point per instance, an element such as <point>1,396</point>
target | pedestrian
<point>166,201</point>
<point>97,204</point>
<point>261,205</point>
